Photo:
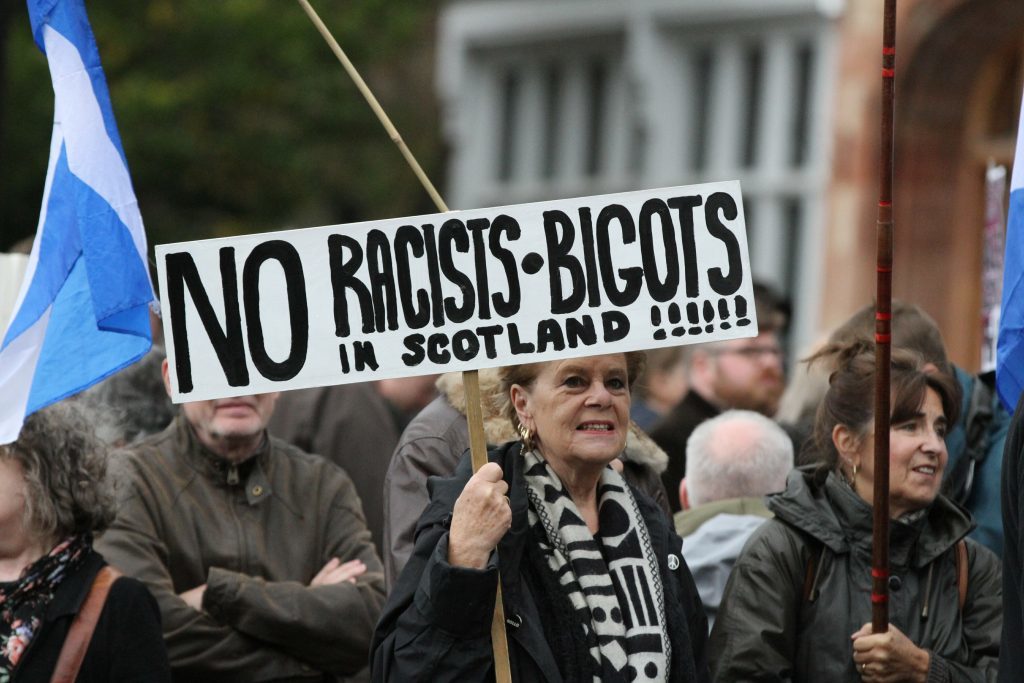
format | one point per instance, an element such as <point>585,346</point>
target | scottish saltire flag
<point>82,313</point>
<point>1010,351</point>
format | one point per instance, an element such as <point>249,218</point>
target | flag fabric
<point>82,312</point>
<point>1010,351</point>
<point>993,250</point>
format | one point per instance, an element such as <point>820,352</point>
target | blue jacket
<point>983,500</point>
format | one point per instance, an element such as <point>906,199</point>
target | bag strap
<point>959,483</point>
<point>960,550</point>
<point>80,634</point>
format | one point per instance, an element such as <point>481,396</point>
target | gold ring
<point>864,668</point>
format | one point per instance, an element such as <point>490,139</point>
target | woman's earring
<point>853,479</point>
<point>526,435</point>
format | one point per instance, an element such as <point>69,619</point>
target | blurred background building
<point>236,118</point>
<point>553,98</point>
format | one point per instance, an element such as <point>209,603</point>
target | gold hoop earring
<point>853,479</point>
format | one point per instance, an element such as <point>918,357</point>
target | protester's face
<point>410,395</point>
<point>13,535</point>
<point>229,424</point>
<point>226,423</point>
<point>747,373</point>
<point>917,459</point>
<point>578,410</point>
<point>667,387</point>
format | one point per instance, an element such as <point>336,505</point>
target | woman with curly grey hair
<point>62,610</point>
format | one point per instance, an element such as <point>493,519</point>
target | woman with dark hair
<point>592,579</point>
<point>798,603</point>
<point>54,589</point>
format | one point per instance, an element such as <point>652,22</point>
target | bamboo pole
<point>371,99</point>
<point>470,378</point>
<point>883,334</point>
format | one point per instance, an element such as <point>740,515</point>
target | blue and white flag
<point>82,312</point>
<point>1010,351</point>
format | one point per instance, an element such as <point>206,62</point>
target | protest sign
<point>455,291</point>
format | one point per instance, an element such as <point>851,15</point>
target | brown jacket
<point>351,425</point>
<point>434,442</point>
<point>256,535</point>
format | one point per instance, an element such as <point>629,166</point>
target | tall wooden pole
<point>470,378</point>
<point>883,334</point>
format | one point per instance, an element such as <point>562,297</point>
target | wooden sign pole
<point>470,378</point>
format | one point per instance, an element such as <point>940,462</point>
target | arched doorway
<point>957,106</point>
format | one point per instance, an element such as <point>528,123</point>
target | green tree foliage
<point>234,114</point>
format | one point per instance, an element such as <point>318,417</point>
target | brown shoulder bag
<point>80,634</point>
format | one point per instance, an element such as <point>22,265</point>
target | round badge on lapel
<point>673,562</point>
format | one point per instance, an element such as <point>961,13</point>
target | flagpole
<point>470,378</point>
<point>883,333</point>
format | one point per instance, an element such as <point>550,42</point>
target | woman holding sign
<point>593,581</point>
<point>798,603</point>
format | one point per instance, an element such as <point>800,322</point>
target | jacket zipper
<point>233,481</point>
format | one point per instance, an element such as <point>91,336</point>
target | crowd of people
<point>681,515</point>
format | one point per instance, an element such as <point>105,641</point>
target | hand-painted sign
<point>456,291</point>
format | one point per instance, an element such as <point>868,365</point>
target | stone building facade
<point>555,98</point>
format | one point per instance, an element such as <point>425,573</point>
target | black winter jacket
<point>436,623</point>
<point>767,630</point>
<point>672,433</point>
<point>126,647</point>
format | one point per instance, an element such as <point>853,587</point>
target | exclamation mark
<point>693,316</point>
<point>723,313</point>
<point>675,315</point>
<point>741,312</point>
<point>709,315</point>
<point>656,322</point>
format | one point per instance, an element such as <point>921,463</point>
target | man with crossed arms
<point>257,553</point>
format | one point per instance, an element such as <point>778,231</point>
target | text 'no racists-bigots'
<point>456,291</point>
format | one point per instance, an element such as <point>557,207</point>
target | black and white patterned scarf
<point>612,581</point>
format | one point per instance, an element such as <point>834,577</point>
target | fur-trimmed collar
<point>640,448</point>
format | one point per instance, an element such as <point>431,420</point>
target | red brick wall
<point>942,46</point>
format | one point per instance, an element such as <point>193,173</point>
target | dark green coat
<point>767,630</point>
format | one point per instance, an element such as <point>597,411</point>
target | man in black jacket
<point>744,374</point>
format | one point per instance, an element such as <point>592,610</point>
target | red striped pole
<point>883,334</point>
